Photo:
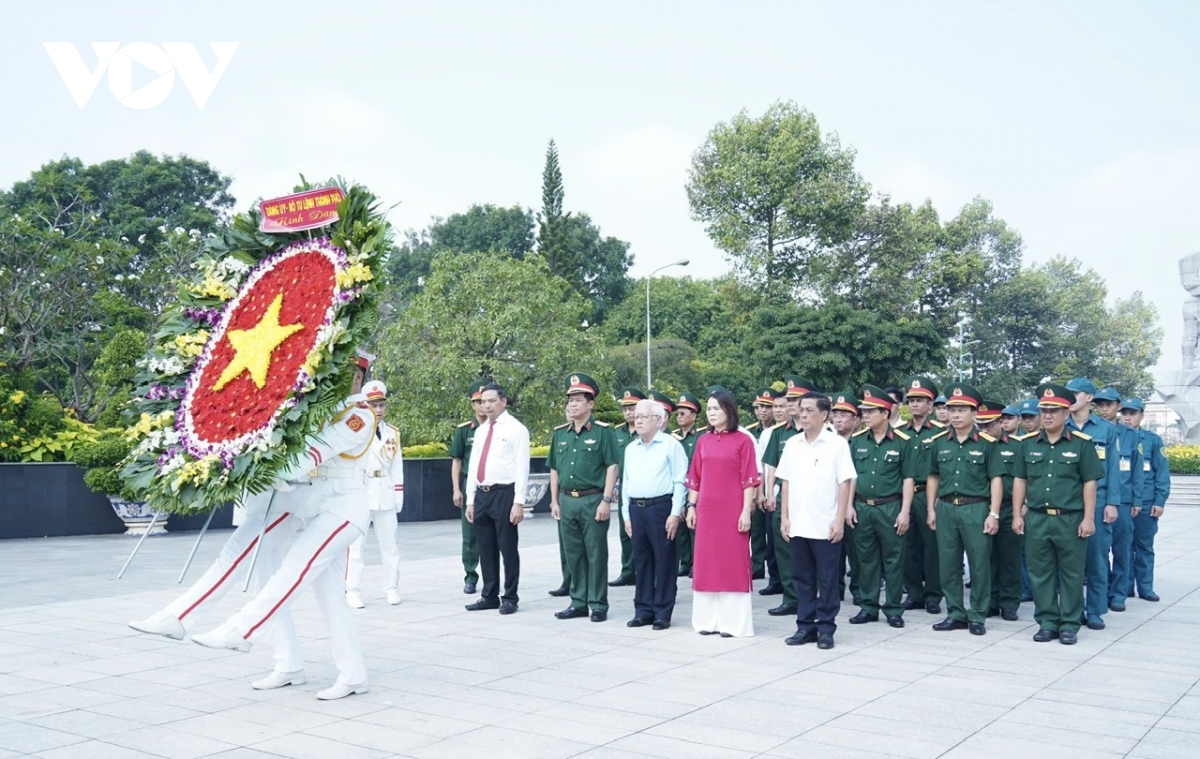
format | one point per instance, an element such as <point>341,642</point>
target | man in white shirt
<point>818,480</point>
<point>497,477</point>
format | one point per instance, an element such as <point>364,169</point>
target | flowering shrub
<point>255,357</point>
<point>25,416</point>
<point>1183,459</point>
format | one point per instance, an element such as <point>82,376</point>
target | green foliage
<point>25,416</point>
<point>1183,459</point>
<point>674,365</point>
<point>552,233</point>
<point>487,315</point>
<point>114,371</point>
<point>103,460</point>
<point>426,451</point>
<point>62,445</point>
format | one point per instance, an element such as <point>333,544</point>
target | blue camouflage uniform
<point>1129,491</point>
<point>1155,489</point>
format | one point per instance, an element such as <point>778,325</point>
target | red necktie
<point>487,444</point>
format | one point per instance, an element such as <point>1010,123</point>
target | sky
<point>1079,121</point>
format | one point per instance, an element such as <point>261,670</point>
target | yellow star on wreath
<point>253,347</point>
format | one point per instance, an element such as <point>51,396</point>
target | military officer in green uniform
<point>846,419</point>
<point>762,543</point>
<point>668,405</point>
<point>1001,422</point>
<point>460,454</point>
<point>922,578</point>
<point>628,398</point>
<point>886,462</point>
<point>687,406</point>
<point>780,434</point>
<point>583,479</point>
<point>963,497</point>
<point>1054,507</point>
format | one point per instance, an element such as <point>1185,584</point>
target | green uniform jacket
<point>919,436</point>
<point>965,468</point>
<point>688,441</point>
<point>623,434</point>
<point>460,444</point>
<point>1009,447</point>
<point>781,433</point>
<point>1055,472</point>
<point>884,466</point>
<point>582,458</point>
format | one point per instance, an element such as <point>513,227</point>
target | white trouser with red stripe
<point>317,558</point>
<point>385,533</point>
<point>224,574</point>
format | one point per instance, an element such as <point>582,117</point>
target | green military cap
<point>629,396</point>
<point>797,386</point>
<point>989,411</point>
<point>581,383</point>
<point>1054,395</point>
<point>922,387</point>
<point>874,397</point>
<point>476,391</point>
<point>688,401</point>
<point>845,401</point>
<point>964,395</point>
<point>663,400</point>
<point>708,391</point>
<point>766,396</point>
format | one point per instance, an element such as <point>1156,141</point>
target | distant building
<point>1161,419</point>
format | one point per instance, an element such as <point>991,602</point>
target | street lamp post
<point>680,262</point>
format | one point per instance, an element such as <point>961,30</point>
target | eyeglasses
<point>644,417</point>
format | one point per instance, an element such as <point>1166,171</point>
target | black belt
<point>1006,503</point>
<point>497,486</point>
<point>879,501</point>
<point>919,487</point>
<point>963,500</point>
<point>581,493</point>
<point>644,502</point>
<point>1052,512</point>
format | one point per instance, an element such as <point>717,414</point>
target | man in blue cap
<point>1108,402</point>
<point>1105,439</point>
<point>1031,420</point>
<point>1156,488</point>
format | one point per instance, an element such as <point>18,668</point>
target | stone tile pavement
<point>76,682</point>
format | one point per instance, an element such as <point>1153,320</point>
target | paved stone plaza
<point>76,682</point>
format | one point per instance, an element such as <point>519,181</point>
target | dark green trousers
<point>783,557</point>
<point>959,531</point>
<point>922,577</point>
<point>758,542</point>
<point>683,548</point>
<point>470,549</point>
<point>880,553</point>
<point>585,543</point>
<point>563,563</point>
<point>626,543</point>
<point>1006,564</point>
<point>850,556</point>
<point>1056,557</point>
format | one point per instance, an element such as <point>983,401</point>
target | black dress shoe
<point>599,615</point>
<point>824,642</point>
<point>508,607</point>
<point>976,628</point>
<point>993,613</point>
<point>896,621</point>
<point>862,617</point>
<point>933,607</point>
<point>801,637</point>
<point>621,582</point>
<point>758,574</point>
<point>782,610</point>
<point>1151,597</point>
<point>726,635</point>
<point>571,612</point>
<point>469,588</point>
<point>772,589</point>
<point>911,603</point>
<point>950,623</point>
<point>1044,636</point>
<point>1008,615</point>
<point>560,591</point>
<point>661,625</point>
<point>639,622</point>
<point>708,632</point>
<point>856,599</point>
<point>1067,638</point>
<point>482,605</point>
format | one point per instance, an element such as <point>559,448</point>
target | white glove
<point>283,486</point>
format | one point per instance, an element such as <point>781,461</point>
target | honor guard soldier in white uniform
<point>338,495</point>
<point>385,496</point>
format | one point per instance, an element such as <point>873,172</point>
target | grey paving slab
<point>76,682</point>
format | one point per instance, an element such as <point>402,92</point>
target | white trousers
<point>385,534</point>
<point>317,558</point>
<point>224,574</point>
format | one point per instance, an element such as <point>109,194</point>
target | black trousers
<point>816,564</point>
<point>654,562</point>
<point>497,537</point>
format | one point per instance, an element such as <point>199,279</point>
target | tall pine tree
<point>552,222</point>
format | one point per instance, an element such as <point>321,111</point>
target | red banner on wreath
<point>304,210</point>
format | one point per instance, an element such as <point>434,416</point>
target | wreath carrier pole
<point>153,519</point>
<point>258,543</point>
<point>199,537</point>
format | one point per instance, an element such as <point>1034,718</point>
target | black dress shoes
<point>708,632</point>
<point>949,623</point>
<point>772,589</point>
<point>726,635</point>
<point>862,617</point>
<point>824,642</point>
<point>896,621</point>
<point>682,572</point>
<point>639,622</point>
<point>1151,597</point>
<point>1044,636</point>
<point>856,599</point>
<point>482,605</point>
<point>661,624</point>
<point>571,612</point>
<point>782,610</point>
<point>621,582</point>
<point>911,603</point>
<point>469,588</point>
<point>933,607</point>
<point>1067,638</point>
<point>1008,615</point>
<point>508,607</point>
<point>993,613</point>
<point>758,575</point>
<point>976,628</point>
<point>801,637</point>
<point>599,615</point>
<point>560,591</point>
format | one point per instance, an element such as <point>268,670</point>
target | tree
<point>675,366</point>
<point>773,191</point>
<point>1133,345</point>
<point>552,232</point>
<point>680,307</point>
<point>466,324</point>
<point>601,275</point>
